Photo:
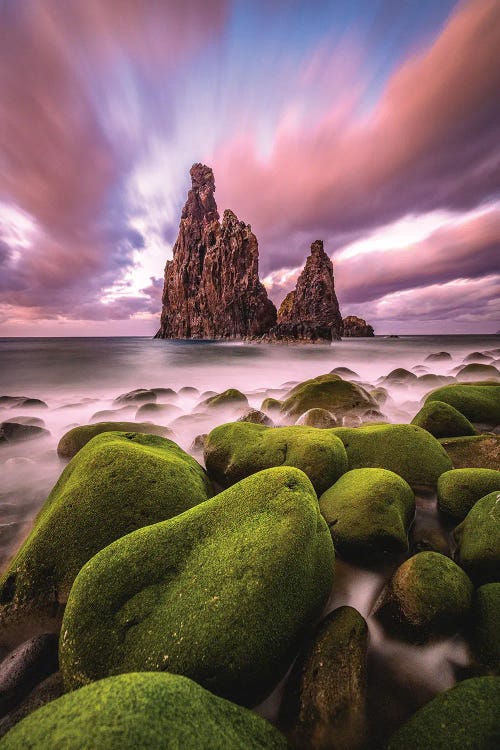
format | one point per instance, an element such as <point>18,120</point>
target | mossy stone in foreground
<point>479,403</point>
<point>328,392</point>
<point>459,489</point>
<point>222,593</point>
<point>324,703</point>
<point>442,420</point>
<point>142,710</point>
<point>486,619</point>
<point>405,449</point>
<point>463,718</point>
<point>369,512</point>
<point>479,451</point>
<point>478,540</point>
<point>236,450</point>
<point>428,595</point>
<point>115,484</point>
<point>76,438</point>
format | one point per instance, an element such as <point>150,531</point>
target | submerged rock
<point>153,711</point>
<point>396,447</point>
<point>368,512</point>
<point>324,705</point>
<point>256,417</point>
<point>443,420</point>
<point>22,402</point>
<point>400,376</point>
<point>74,440</point>
<point>157,411</point>
<point>115,484</point>
<point>478,540</point>
<point>438,357</point>
<point>479,451</point>
<point>14,432</point>
<point>328,392</point>
<point>478,372</point>
<point>138,396</point>
<point>236,450</point>
<point>222,594</point>
<point>463,718</point>
<point>479,402</point>
<point>428,596</point>
<point>459,489</point>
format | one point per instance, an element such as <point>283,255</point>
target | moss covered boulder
<point>463,718</point>
<point>479,403</point>
<point>256,417</point>
<point>328,392</point>
<point>143,710</point>
<point>369,512</point>
<point>271,405</point>
<point>486,635</point>
<point>73,440</point>
<point>232,398</point>
<point>320,418</point>
<point>478,540</point>
<point>443,420</point>
<point>405,449</point>
<point>115,484</point>
<point>222,593</point>
<point>428,595</point>
<point>477,371</point>
<point>400,376</point>
<point>478,451</point>
<point>459,489</point>
<point>236,450</point>
<point>324,704</point>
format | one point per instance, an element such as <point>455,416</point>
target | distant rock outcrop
<point>354,326</point>
<point>212,288</point>
<point>311,311</point>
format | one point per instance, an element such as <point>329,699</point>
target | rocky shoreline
<point>297,560</point>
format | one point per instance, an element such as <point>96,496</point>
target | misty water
<point>79,377</point>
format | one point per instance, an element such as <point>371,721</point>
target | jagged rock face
<point>312,311</point>
<point>212,288</point>
<point>354,326</point>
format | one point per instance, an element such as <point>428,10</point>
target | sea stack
<point>311,312</point>
<point>212,288</point>
<point>354,326</point>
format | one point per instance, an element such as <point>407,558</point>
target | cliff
<point>354,326</point>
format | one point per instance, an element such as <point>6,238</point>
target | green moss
<point>369,512</point>
<point>477,371</point>
<point>230,397</point>
<point>222,593</point>
<point>76,438</point>
<point>326,392</point>
<point>442,420</point>
<point>143,710</point>
<point>405,449</point>
<point>486,636</point>
<point>479,403</point>
<point>238,449</point>
<point>459,489</point>
<point>115,484</point>
<point>271,405</point>
<point>463,718</point>
<point>478,540</point>
<point>478,451</point>
<point>428,595</point>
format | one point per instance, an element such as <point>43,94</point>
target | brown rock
<point>212,288</point>
<point>354,326</point>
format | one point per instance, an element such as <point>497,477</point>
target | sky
<point>371,124</point>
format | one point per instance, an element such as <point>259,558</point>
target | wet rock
<point>394,447</point>
<point>478,540</point>
<point>478,357</point>
<point>113,415</point>
<point>356,327</point>
<point>164,392</point>
<point>429,380</point>
<point>25,667</point>
<point>320,418</point>
<point>138,396</point>
<point>207,599</point>
<point>479,451</point>
<point>154,711</point>
<point>443,420</point>
<point>428,596</point>
<point>22,402</point>
<point>344,372</point>
<point>232,397</point>
<point>236,450</point>
<point>368,512</point>
<point>74,440</point>
<point>35,421</point>
<point>459,489</point>
<point>13,432</point>
<point>463,718</point>
<point>157,411</point>
<point>400,376</point>
<point>478,372</point>
<point>256,417</point>
<point>380,394</point>
<point>115,484</point>
<point>46,691</point>
<point>479,402</point>
<point>326,392</point>
<point>438,357</point>
<point>212,288</point>
<point>272,405</point>
<point>324,705</point>
<point>486,624</point>
<point>198,444</point>
<point>188,390</point>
